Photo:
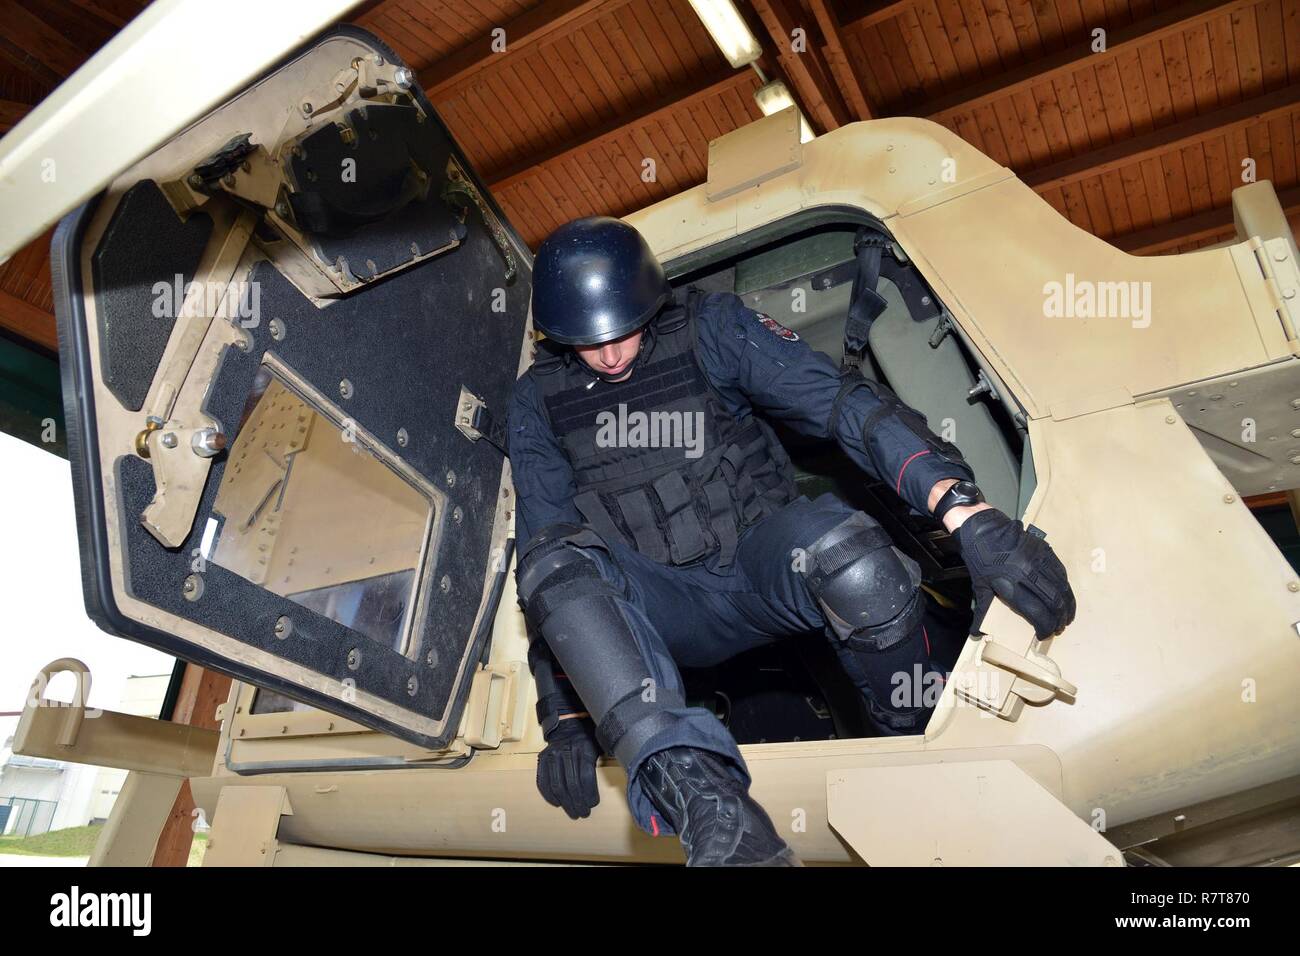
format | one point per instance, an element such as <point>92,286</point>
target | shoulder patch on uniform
<point>776,328</point>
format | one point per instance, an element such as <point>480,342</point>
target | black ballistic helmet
<point>596,280</point>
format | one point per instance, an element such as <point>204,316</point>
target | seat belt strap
<point>865,303</point>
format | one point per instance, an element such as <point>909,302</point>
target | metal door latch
<point>474,420</point>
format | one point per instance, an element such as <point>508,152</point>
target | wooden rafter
<point>102,10</point>
<point>840,63</point>
<point>38,40</point>
<point>882,11</point>
<point>675,100</point>
<point>1150,29</point>
<point>1219,122</point>
<point>1204,225</point>
<point>27,321</point>
<point>809,78</point>
<point>545,22</point>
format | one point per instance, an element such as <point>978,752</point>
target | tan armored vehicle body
<point>290,476</point>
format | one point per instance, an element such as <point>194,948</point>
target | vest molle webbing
<point>682,476</point>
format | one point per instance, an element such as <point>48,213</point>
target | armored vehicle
<point>288,336</point>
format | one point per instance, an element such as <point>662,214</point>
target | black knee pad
<point>868,589</point>
<point>548,552</point>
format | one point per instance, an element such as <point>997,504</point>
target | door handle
<point>999,655</point>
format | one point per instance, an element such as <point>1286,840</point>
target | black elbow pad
<point>879,442</point>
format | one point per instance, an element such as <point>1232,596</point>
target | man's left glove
<point>566,769</point>
<point>1017,565</point>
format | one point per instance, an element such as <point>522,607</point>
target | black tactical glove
<point>566,769</point>
<point>1018,566</point>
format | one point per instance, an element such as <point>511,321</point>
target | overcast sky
<point>42,613</point>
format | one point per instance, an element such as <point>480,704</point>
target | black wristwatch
<point>962,493</point>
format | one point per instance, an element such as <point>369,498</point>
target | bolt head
<point>207,442</point>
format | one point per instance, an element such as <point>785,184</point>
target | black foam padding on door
<point>238,608</point>
<point>407,344</point>
<point>145,243</point>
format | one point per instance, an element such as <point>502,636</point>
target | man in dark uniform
<point>661,527</point>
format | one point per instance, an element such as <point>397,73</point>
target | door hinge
<point>1281,273</point>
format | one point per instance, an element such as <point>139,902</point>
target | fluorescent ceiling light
<point>722,20</point>
<point>773,98</point>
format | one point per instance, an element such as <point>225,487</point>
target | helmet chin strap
<point>648,336</point>
<point>642,353</point>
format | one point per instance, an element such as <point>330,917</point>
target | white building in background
<point>143,696</point>
<point>38,795</point>
<point>40,588</point>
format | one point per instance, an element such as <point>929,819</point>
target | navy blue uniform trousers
<point>694,616</point>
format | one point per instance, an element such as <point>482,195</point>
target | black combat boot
<point>717,821</point>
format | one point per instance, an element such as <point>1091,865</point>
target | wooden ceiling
<point>1140,143</point>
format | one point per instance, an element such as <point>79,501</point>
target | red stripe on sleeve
<point>898,485</point>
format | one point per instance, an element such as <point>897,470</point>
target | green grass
<point>74,841</point>
<point>79,841</point>
<point>197,849</point>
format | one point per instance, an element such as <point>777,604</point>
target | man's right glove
<point>566,769</point>
<point>1014,563</point>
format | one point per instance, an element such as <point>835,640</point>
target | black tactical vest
<point>660,462</point>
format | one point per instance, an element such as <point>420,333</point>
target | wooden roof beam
<point>38,40</point>
<point>27,321</point>
<point>1203,225</point>
<point>545,22</point>
<point>882,11</point>
<point>1218,122</point>
<point>808,77</point>
<point>103,11</point>
<point>1150,29</point>
<point>679,99</point>
<point>840,63</point>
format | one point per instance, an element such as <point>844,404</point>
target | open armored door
<point>283,335</point>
